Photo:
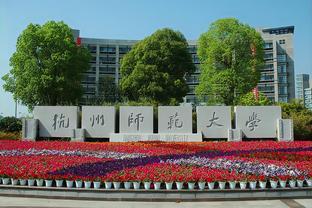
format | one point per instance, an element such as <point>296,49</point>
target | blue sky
<point>135,19</point>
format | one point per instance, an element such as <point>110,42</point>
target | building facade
<point>308,98</point>
<point>277,78</point>
<point>302,82</point>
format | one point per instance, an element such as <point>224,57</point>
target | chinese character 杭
<point>213,121</point>
<point>99,120</point>
<point>136,120</point>
<point>174,121</point>
<point>60,121</point>
<point>253,121</point>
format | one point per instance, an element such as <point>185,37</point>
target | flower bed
<point>157,165</point>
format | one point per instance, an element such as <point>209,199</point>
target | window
<point>281,57</point>
<point>268,45</point>
<point>107,60</point>
<point>282,90</point>
<point>269,67</point>
<point>124,49</point>
<point>107,69</point>
<point>268,56</point>
<point>192,49</point>
<point>282,79</point>
<point>92,48</point>
<point>281,68</point>
<point>283,99</point>
<point>267,77</point>
<point>195,59</point>
<point>107,49</point>
<point>281,41</point>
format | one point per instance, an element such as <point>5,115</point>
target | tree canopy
<point>230,54</point>
<point>47,66</point>
<point>250,99</point>
<point>156,67</point>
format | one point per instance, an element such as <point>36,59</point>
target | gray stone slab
<point>98,121</point>
<point>56,121</point>
<point>213,121</point>
<point>136,119</point>
<point>175,119</point>
<point>30,129</point>
<point>285,130</point>
<point>257,121</point>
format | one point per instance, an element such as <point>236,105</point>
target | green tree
<point>250,99</point>
<point>231,54</point>
<point>47,66</point>
<point>302,118</point>
<point>108,90</point>
<point>156,67</point>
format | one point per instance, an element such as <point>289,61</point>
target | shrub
<point>10,124</point>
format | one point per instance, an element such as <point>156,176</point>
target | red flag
<point>255,91</point>
<point>78,41</point>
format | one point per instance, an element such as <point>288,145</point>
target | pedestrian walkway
<point>20,202</point>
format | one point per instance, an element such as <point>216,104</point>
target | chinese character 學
<point>174,121</point>
<point>60,121</point>
<point>213,121</point>
<point>253,121</point>
<point>137,120</point>
<point>99,120</point>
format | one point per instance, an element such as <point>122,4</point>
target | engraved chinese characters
<point>98,121</point>
<point>257,121</point>
<point>56,121</point>
<point>175,119</point>
<point>134,119</point>
<point>213,121</point>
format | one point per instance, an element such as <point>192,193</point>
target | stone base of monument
<point>167,137</point>
<point>153,195</point>
<point>78,135</point>
<point>235,135</point>
<point>30,129</point>
<point>285,130</point>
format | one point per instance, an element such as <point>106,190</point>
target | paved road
<point>20,202</point>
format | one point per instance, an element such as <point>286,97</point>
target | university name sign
<point>136,123</point>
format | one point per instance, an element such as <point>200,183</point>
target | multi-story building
<point>308,98</point>
<point>302,82</point>
<point>277,78</point>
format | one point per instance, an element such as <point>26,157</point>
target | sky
<point>136,19</point>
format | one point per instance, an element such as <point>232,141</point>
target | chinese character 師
<point>253,121</point>
<point>60,121</point>
<point>174,121</point>
<point>135,120</point>
<point>213,121</point>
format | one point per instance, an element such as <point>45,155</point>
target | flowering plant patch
<point>157,161</point>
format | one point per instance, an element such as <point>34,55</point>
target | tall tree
<point>47,66</point>
<point>108,90</point>
<point>156,67</point>
<point>231,54</point>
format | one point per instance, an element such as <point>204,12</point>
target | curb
<point>154,195</point>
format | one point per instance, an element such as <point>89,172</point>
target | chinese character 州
<point>99,120</point>
<point>253,121</point>
<point>175,121</point>
<point>213,121</point>
<point>137,120</point>
<point>60,121</point>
